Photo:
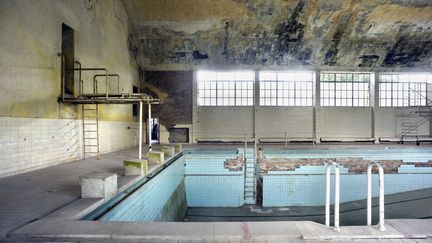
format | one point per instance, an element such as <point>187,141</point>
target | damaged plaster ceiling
<point>316,33</point>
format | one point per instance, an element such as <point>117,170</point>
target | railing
<point>381,194</point>
<point>95,86</point>
<point>337,195</point>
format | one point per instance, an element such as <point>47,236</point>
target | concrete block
<point>155,156</point>
<point>98,184</point>
<point>178,147</point>
<point>135,166</point>
<point>169,151</point>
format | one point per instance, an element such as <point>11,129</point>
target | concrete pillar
<point>155,157</point>
<point>169,151</point>
<point>98,185</point>
<point>135,167</point>
<point>317,103</point>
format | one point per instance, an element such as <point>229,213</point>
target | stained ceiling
<point>179,34</point>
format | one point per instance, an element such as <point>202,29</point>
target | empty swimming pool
<point>212,185</point>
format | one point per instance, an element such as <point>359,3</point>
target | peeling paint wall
<point>30,38</point>
<point>260,33</point>
<point>36,130</point>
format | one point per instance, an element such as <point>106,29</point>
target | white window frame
<point>345,89</point>
<point>225,88</point>
<point>286,88</point>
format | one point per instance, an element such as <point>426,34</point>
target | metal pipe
<point>286,143</point>
<point>62,74</point>
<point>109,75</point>
<point>149,127</point>
<point>140,131</point>
<point>381,195</point>
<point>337,195</point>
<point>80,82</point>
<point>327,196</point>
<point>245,146</point>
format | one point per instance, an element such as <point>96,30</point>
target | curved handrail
<point>337,195</point>
<point>109,75</point>
<point>381,194</point>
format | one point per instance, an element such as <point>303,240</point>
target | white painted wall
<point>35,130</point>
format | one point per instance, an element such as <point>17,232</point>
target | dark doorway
<point>154,124</point>
<point>135,106</point>
<point>68,51</point>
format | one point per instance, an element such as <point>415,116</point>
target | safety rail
<point>95,90</point>
<point>381,194</point>
<point>337,195</point>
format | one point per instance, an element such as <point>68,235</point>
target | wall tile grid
<point>146,203</point>
<point>209,184</point>
<point>306,185</point>
<point>31,143</point>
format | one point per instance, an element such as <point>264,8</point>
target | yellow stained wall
<point>30,38</point>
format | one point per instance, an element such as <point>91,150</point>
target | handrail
<point>109,75</point>
<point>81,82</point>
<point>96,69</point>
<point>381,194</point>
<point>337,195</point>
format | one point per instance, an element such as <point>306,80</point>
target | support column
<point>140,130</point>
<point>149,127</point>
<point>317,103</point>
<point>374,98</point>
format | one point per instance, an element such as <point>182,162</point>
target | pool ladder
<point>369,195</point>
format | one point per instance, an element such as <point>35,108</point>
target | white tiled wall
<point>31,143</point>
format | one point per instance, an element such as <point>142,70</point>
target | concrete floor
<point>27,197</point>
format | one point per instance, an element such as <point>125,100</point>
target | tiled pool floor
<point>352,213</point>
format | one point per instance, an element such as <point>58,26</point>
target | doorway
<point>68,51</point>
<point>154,124</point>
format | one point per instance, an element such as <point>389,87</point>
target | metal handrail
<point>337,195</point>
<point>109,75</point>
<point>96,69</point>
<point>62,74</point>
<point>381,194</point>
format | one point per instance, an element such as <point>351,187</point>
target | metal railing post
<point>381,194</point>
<point>337,195</point>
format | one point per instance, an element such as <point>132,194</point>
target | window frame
<point>277,92</point>
<point>417,100</point>
<point>222,90</point>
<point>346,92</point>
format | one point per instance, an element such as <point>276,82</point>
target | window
<point>234,88</point>
<point>286,88</point>
<point>397,90</point>
<point>344,89</point>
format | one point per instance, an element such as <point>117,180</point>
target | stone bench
<point>178,147</point>
<point>97,184</point>
<point>155,156</point>
<point>135,166</point>
<point>169,151</point>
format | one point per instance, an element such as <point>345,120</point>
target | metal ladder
<point>90,114</point>
<point>410,122</point>
<point>250,177</point>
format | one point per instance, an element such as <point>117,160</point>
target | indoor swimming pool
<point>283,179</point>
